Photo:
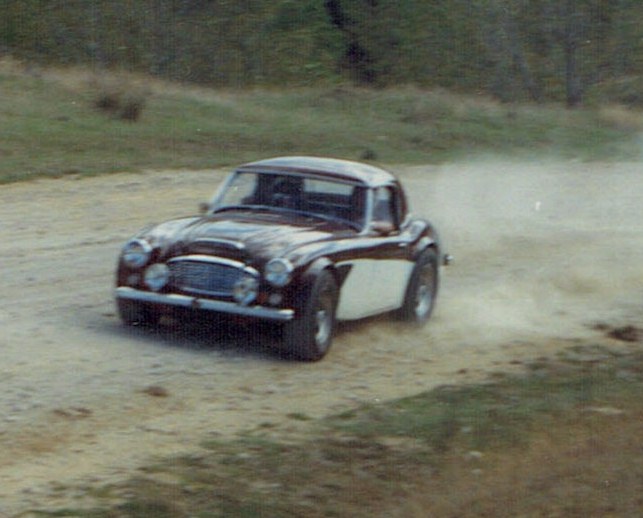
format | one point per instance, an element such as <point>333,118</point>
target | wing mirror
<point>384,228</point>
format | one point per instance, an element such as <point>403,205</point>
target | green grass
<point>544,443</point>
<point>480,417</point>
<point>51,127</point>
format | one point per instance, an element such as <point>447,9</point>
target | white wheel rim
<point>424,295</point>
<point>323,327</point>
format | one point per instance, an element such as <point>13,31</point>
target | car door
<point>381,267</point>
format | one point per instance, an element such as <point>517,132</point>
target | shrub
<point>120,98</point>
<point>627,91</point>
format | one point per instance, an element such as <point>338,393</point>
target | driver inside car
<point>288,193</point>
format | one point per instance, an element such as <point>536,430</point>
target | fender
<point>431,239</point>
<point>307,279</point>
<point>311,273</point>
<point>428,237</point>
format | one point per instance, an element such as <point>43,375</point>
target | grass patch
<point>561,440</point>
<point>66,123</point>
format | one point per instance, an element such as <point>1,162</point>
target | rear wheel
<point>422,289</point>
<point>310,335</point>
<point>134,313</point>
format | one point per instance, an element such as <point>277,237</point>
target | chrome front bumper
<point>185,301</point>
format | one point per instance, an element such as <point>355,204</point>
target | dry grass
<point>52,126</point>
<point>79,79</point>
<point>622,118</point>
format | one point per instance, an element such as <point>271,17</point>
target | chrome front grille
<point>205,277</point>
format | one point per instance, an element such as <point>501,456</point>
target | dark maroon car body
<point>345,249</point>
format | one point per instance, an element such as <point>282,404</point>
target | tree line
<point>536,50</point>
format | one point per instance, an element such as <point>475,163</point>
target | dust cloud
<point>541,248</point>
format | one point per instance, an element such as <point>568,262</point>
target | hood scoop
<point>218,247</point>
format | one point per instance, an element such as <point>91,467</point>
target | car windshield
<point>310,196</point>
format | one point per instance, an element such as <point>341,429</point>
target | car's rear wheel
<point>134,313</point>
<point>310,335</point>
<point>422,289</point>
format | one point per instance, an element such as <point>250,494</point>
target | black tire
<point>134,313</point>
<point>422,289</point>
<point>309,336</point>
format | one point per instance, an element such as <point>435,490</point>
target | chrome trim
<point>249,287</point>
<point>269,276</point>
<point>138,241</point>
<point>146,248</point>
<point>216,260</point>
<point>216,241</point>
<point>220,192</point>
<point>281,315</point>
<point>207,293</point>
<point>155,286</point>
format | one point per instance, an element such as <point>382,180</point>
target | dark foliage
<point>530,50</point>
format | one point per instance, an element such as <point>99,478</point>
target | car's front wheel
<point>422,289</point>
<point>134,313</point>
<point>310,335</point>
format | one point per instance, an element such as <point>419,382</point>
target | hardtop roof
<point>347,170</point>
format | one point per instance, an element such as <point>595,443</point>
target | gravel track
<point>542,252</point>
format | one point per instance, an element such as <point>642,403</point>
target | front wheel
<point>422,289</point>
<point>310,335</point>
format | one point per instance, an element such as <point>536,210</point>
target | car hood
<point>245,236</point>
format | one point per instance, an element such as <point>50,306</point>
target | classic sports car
<point>300,241</point>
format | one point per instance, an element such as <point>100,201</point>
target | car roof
<point>334,168</point>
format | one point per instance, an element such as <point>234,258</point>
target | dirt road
<point>542,251</point>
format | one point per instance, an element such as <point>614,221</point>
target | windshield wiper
<point>226,208</point>
<point>329,217</point>
<point>273,208</point>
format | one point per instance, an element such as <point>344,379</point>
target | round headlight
<point>157,276</point>
<point>136,253</point>
<point>278,272</point>
<point>245,290</point>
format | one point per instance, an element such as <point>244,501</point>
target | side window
<point>383,207</point>
<point>399,206</point>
